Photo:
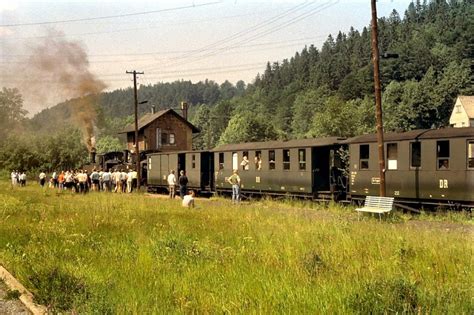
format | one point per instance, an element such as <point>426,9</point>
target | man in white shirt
<point>42,178</point>
<point>172,184</point>
<point>23,179</point>
<point>129,180</point>
<point>14,176</point>
<point>134,179</point>
<point>106,180</point>
<point>188,200</point>
<point>118,182</point>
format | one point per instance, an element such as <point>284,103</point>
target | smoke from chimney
<point>55,70</point>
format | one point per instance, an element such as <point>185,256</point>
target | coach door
<point>320,166</point>
<point>181,162</point>
<point>207,171</point>
<point>164,169</point>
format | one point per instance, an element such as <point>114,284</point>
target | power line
<point>111,16</point>
<point>127,29</point>
<point>295,41</point>
<point>245,31</point>
<point>253,37</point>
<point>300,17</point>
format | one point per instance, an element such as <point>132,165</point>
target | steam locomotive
<point>423,168</point>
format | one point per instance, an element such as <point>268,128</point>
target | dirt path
<point>10,306</point>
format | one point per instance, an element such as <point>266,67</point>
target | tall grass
<point>112,253</point>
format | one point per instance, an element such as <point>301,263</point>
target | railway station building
<point>161,131</point>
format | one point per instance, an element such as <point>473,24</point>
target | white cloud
<point>8,5</point>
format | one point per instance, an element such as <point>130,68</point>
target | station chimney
<point>184,108</point>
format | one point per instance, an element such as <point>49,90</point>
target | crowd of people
<point>80,181</point>
<point>117,180</point>
<point>18,178</point>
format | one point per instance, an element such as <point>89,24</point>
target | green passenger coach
<point>433,167</point>
<point>306,167</point>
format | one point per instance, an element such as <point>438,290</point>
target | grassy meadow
<point>135,254</point>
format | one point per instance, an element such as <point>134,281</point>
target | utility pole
<point>378,98</point>
<point>137,149</point>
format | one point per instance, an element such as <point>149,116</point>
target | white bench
<point>377,205</point>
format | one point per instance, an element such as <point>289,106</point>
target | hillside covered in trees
<point>330,91</point>
<point>317,92</point>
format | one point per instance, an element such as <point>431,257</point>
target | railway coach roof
<point>300,143</point>
<point>416,134</point>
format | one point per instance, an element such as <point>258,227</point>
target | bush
<point>386,296</point>
<point>56,288</point>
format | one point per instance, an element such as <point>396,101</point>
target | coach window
<point>245,161</point>
<point>302,159</point>
<point>392,156</point>
<point>258,160</point>
<point>221,161</point>
<point>415,151</point>
<point>470,154</point>
<point>442,154</point>
<point>286,160</point>
<point>193,158</point>
<point>235,161</point>
<point>364,156</point>
<point>271,159</point>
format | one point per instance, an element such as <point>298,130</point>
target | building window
<point>302,159</point>
<point>164,138</point>
<point>245,161</point>
<point>286,160</point>
<point>442,154</point>
<point>392,156</point>
<point>415,151</point>
<point>470,154</point>
<point>364,156</point>
<point>271,159</point>
<point>172,139</point>
<point>221,161</point>
<point>458,108</point>
<point>193,160</point>
<point>258,160</point>
<point>158,138</point>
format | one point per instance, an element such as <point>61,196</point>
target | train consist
<point>423,167</point>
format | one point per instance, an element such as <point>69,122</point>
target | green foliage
<point>56,288</point>
<point>386,296</point>
<point>343,119</point>
<point>246,127</point>
<point>108,143</point>
<point>306,104</point>
<point>63,150</point>
<point>12,113</point>
<point>12,295</point>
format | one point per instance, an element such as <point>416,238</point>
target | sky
<point>167,40</point>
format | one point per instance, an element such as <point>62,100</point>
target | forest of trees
<point>330,91</point>
<point>317,92</point>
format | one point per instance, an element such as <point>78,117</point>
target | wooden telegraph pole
<point>378,98</point>
<point>137,149</point>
